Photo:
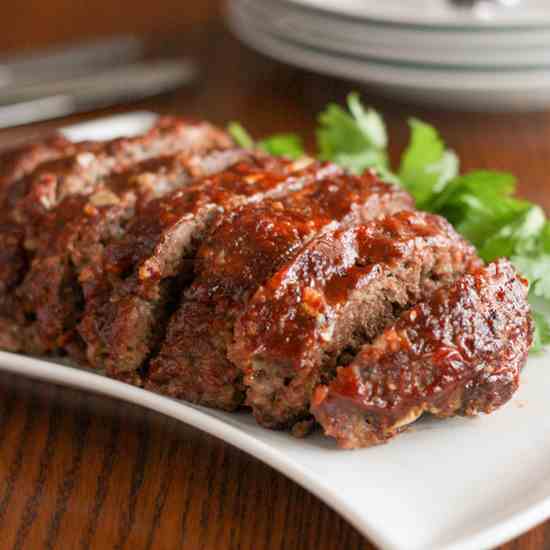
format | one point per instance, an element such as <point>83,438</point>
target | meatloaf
<point>459,352</point>
<point>340,291</point>
<point>67,266</point>
<point>149,266</point>
<point>231,278</point>
<point>17,163</point>
<point>248,247</point>
<point>50,196</point>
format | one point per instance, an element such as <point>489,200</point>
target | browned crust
<point>52,203</point>
<point>242,253</point>
<point>343,288</point>
<point>459,352</point>
<point>17,163</point>
<point>147,267</point>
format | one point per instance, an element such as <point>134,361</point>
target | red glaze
<point>459,352</point>
<point>156,256</point>
<point>295,305</point>
<point>343,287</point>
<point>241,254</point>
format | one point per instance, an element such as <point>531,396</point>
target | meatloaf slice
<point>459,352</point>
<point>248,247</point>
<point>80,173</point>
<point>17,163</point>
<point>30,197</point>
<point>342,289</point>
<point>148,267</point>
<point>67,265</point>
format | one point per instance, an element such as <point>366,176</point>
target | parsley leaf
<point>240,135</point>
<point>541,336</point>
<point>536,268</point>
<point>515,236</point>
<point>426,165</point>
<point>486,184</point>
<point>478,204</point>
<point>481,208</point>
<point>370,122</point>
<point>283,145</point>
<point>541,322</point>
<point>543,241</point>
<point>356,140</point>
<point>279,145</point>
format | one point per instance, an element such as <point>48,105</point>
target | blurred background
<point>37,24</point>
<point>181,30</point>
<point>237,78</point>
<point>484,55</point>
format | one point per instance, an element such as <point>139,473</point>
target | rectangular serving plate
<point>458,484</point>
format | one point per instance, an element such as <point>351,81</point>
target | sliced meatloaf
<point>32,198</point>
<point>459,352</point>
<point>17,163</point>
<point>148,267</point>
<point>247,248</point>
<point>342,289</point>
<point>67,266</point>
<point>80,173</point>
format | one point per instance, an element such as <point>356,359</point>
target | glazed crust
<point>147,269</point>
<point>17,163</point>
<point>247,248</point>
<point>67,268</point>
<point>50,209</point>
<point>458,353</point>
<point>342,289</point>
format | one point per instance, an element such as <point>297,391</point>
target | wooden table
<point>80,471</point>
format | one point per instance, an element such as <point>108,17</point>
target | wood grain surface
<point>80,471</point>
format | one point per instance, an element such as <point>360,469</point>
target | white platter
<point>460,484</point>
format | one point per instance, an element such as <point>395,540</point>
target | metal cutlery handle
<point>69,61</point>
<point>137,81</point>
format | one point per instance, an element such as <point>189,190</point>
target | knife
<point>36,102</point>
<point>69,61</point>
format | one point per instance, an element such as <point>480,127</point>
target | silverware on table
<point>42,101</point>
<point>70,61</point>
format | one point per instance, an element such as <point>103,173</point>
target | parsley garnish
<point>356,140</point>
<point>280,145</point>
<point>426,165</point>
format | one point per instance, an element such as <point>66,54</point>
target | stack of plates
<point>493,56</point>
